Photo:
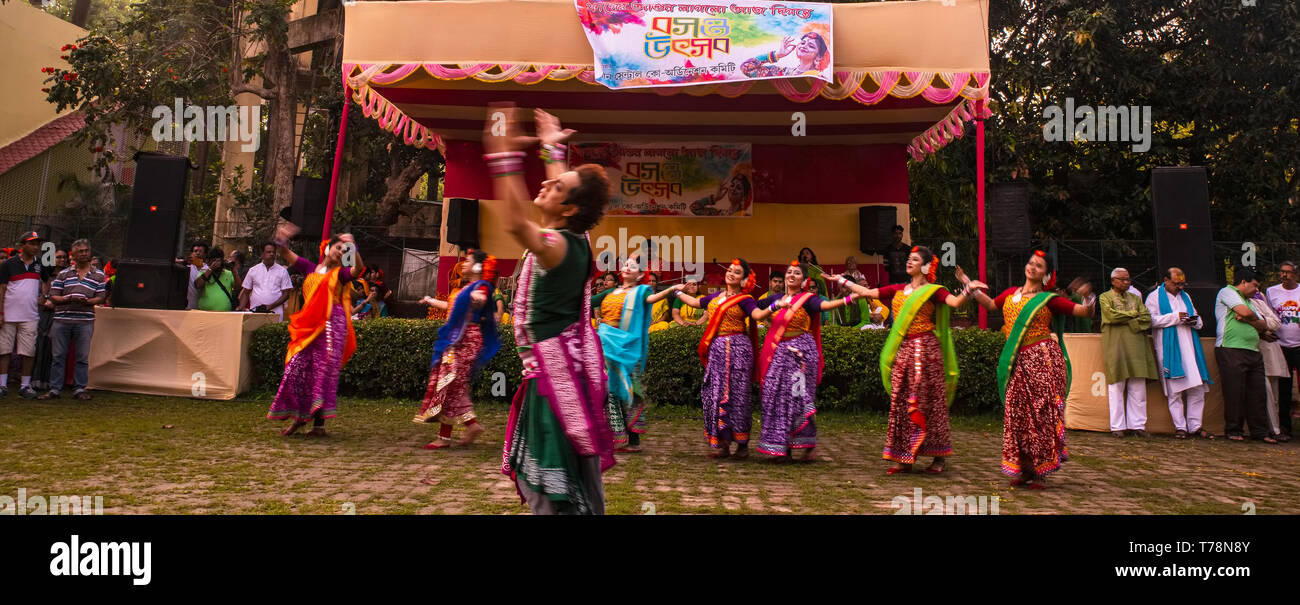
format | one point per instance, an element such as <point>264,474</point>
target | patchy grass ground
<point>172,455</point>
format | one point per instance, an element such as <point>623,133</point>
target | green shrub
<point>393,358</point>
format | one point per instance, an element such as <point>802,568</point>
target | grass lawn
<point>173,455</point>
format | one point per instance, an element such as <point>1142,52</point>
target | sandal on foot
<point>1236,438</point>
<point>719,454</point>
<point>1180,434</point>
<point>438,444</point>
<point>317,432</point>
<point>1203,434</point>
<point>1036,485</point>
<point>895,470</point>
<point>742,452</point>
<point>933,470</point>
<point>1269,440</point>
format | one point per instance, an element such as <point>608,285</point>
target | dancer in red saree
<point>1033,372</point>
<point>465,344</point>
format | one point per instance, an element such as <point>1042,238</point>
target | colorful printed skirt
<point>542,458</point>
<point>311,379</point>
<point>446,399</point>
<point>789,398</point>
<point>625,415</point>
<point>1034,435</point>
<point>728,406</point>
<point>918,411</point>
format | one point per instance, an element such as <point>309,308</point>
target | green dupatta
<point>1012,346</point>
<point>901,324</point>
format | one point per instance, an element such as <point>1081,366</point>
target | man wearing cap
<point>23,288</point>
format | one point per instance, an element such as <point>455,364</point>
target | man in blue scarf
<point>1183,374</point>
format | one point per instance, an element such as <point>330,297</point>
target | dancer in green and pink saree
<point>558,440</point>
<point>918,363</point>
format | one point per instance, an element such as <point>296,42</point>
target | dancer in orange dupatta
<point>321,339</point>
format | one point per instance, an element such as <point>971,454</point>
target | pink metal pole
<point>338,164</point>
<point>979,199</point>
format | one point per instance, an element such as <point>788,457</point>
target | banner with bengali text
<point>639,45</point>
<point>673,179</point>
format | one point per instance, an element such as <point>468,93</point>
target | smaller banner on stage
<point>674,179</point>
<point>639,45</point>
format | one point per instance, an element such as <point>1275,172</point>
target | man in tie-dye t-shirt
<point>1285,300</point>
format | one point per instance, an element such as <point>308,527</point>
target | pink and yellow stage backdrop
<point>639,45</point>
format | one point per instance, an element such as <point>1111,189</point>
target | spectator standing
<point>41,369</point>
<point>1274,362</point>
<point>216,285</point>
<point>197,266</point>
<point>895,257</point>
<point>75,292</point>
<point>1241,367</point>
<point>1125,322</point>
<point>266,285</point>
<point>23,288</point>
<point>1184,376</point>
<point>1284,299</point>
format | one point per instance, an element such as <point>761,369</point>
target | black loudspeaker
<point>156,201</point>
<point>1008,217</point>
<point>1180,210</point>
<point>462,222</point>
<point>876,227</point>
<point>150,284</point>
<point>310,197</point>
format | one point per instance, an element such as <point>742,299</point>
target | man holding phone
<point>74,292</point>
<point>1183,374</point>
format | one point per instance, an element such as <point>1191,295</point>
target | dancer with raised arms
<point>558,440</point>
<point>918,363</point>
<point>727,352</point>
<point>465,344</point>
<point>1033,371</point>
<point>321,340</point>
<point>625,341</point>
<point>790,366</point>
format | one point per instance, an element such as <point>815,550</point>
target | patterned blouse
<point>734,321</point>
<point>1040,326</point>
<point>924,320</point>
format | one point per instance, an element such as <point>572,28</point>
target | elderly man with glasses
<point>1184,376</point>
<point>1284,298</point>
<point>1129,362</point>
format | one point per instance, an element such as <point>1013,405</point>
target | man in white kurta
<point>1183,386</point>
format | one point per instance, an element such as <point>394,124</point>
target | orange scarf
<point>320,293</point>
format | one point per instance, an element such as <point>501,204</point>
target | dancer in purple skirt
<point>790,364</point>
<point>321,339</point>
<point>727,352</point>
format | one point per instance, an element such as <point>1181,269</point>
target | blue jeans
<point>60,333</point>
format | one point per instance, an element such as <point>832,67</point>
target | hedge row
<point>393,358</point>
